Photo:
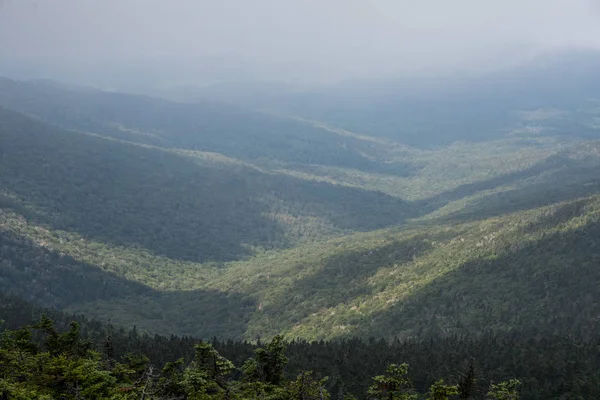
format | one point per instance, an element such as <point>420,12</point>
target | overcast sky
<point>303,40</point>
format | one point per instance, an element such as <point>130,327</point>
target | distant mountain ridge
<point>212,219</point>
<point>435,111</point>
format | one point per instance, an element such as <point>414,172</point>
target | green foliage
<point>150,213</point>
<point>208,373</point>
<point>392,281</point>
<point>263,374</point>
<point>306,387</point>
<point>394,385</point>
<point>441,391</point>
<point>60,368</point>
<point>208,207</point>
<point>68,343</point>
<point>171,382</point>
<point>57,370</point>
<point>505,390</point>
<point>210,220</point>
<point>552,366</point>
<point>271,361</point>
<point>208,360</point>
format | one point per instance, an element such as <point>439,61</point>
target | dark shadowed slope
<point>193,206</point>
<point>528,270</point>
<point>549,284</point>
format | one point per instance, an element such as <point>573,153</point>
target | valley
<point>319,233</point>
<point>299,200</point>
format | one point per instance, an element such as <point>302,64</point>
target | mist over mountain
<point>135,44</point>
<point>428,111</point>
<point>237,200</point>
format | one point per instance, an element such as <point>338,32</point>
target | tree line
<point>40,362</point>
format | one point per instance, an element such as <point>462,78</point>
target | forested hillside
<point>130,362</point>
<point>501,273</point>
<point>183,204</point>
<point>206,219</point>
<point>214,127</point>
<point>299,200</point>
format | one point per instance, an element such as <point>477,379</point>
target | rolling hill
<point>209,219</point>
<point>212,127</point>
<point>184,204</point>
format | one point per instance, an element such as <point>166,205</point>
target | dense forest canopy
<point>459,229</point>
<point>90,359</point>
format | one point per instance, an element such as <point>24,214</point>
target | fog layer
<point>198,41</point>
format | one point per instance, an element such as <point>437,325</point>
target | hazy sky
<point>287,39</point>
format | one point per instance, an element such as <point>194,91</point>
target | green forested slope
<point>185,205</point>
<point>494,235</point>
<point>532,269</point>
<point>549,366</point>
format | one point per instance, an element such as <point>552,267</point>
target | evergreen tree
<point>306,387</point>
<point>441,391</point>
<point>394,385</point>
<point>506,390</point>
<point>466,382</point>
